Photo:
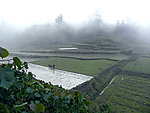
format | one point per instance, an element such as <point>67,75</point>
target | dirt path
<point>107,86</point>
<point>66,79</point>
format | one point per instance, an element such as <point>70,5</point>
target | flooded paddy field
<point>65,79</point>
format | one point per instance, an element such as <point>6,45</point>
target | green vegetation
<point>142,65</point>
<point>104,71</point>
<point>127,94</point>
<point>93,87</point>
<point>85,46</point>
<point>87,67</point>
<point>80,55</point>
<point>3,52</point>
<point>21,92</point>
<point>96,43</point>
<point>104,58</point>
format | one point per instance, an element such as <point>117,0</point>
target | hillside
<point>109,54</point>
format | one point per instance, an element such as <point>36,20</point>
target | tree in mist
<point>97,17</point>
<point>61,32</point>
<point>125,31</point>
<point>59,19</point>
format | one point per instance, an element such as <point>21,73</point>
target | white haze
<point>28,12</point>
<point>82,20</point>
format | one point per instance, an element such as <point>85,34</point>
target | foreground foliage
<point>21,92</point>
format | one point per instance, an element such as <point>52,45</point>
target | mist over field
<point>61,32</point>
<point>38,24</point>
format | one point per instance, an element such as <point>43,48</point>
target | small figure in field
<point>53,66</point>
<point>50,66</point>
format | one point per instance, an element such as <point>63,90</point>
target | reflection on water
<point>66,79</point>
<point>67,48</point>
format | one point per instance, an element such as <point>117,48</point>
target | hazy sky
<point>26,12</point>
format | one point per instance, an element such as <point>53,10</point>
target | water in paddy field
<point>67,48</point>
<point>65,79</point>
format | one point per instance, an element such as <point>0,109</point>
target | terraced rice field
<point>65,79</point>
<point>127,94</point>
<point>81,54</point>
<point>142,64</point>
<point>87,67</point>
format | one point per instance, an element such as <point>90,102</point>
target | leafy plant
<point>3,52</point>
<point>21,92</point>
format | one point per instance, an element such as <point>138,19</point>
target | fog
<point>37,24</point>
<point>61,32</point>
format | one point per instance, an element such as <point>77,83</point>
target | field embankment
<point>93,88</point>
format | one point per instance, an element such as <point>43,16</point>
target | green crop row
<point>127,94</point>
<point>142,64</point>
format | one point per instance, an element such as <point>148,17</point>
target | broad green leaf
<point>4,94</point>
<point>81,97</point>
<point>56,97</point>
<point>29,90</point>
<point>37,102</point>
<point>46,85</point>
<point>24,112</point>
<point>37,94</point>
<point>86,107</point>
<point>49,94</point>
<point>17,62</point>
<point>68,97</point>
<point>3,52</point>
<point>18,84</point>
<point>40,85</point>
<point>37,108</point>
<point>31,75</point>
<point>28,83</point>
<point>46,97</point>
<point>6,77</point>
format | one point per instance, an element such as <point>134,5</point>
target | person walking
<point>53,66</point>
<point>50,66</point>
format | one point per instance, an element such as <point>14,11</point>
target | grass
<point>86,46</point>
<point>81,55</point>
<point>142,64</point>
<point>87,67</point>
<point>127,94</point>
